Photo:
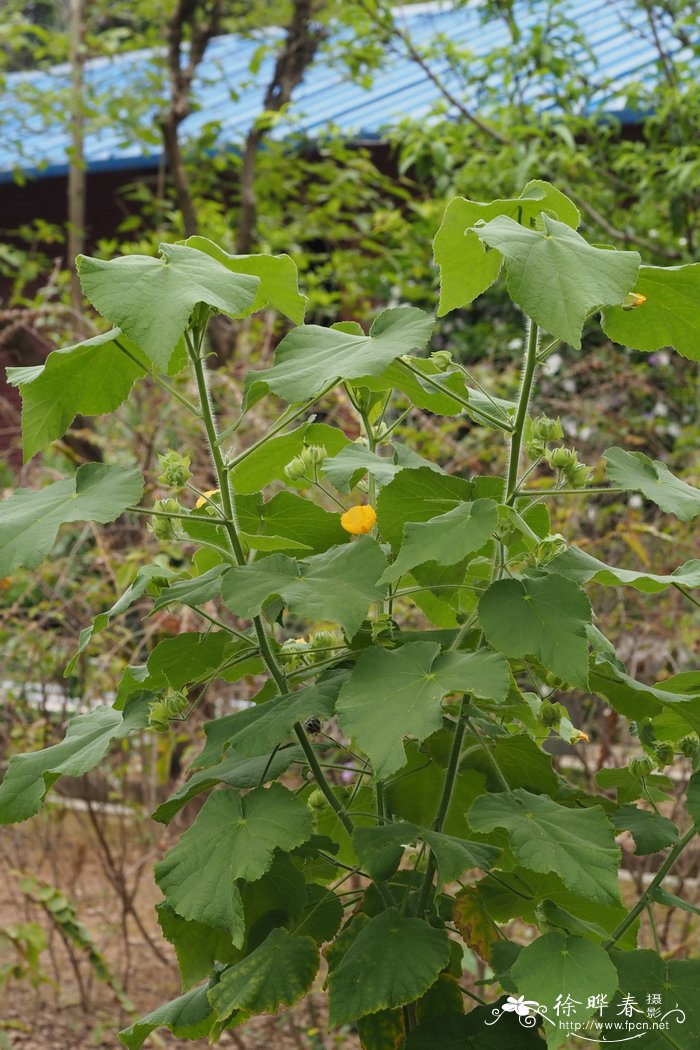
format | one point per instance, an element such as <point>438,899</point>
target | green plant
<point>77,939</point>
<point>25,941</point>
<point>387,794</point>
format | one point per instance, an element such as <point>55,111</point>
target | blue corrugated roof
<point>133,86</point>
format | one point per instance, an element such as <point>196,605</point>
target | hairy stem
<point>646,897</point>
<point>227,502</point>
<point>521,415</point>
<point>445,798</point>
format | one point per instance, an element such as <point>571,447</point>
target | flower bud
<point>579,477</point>
<point>550,713</point>
<point>640,766</point>
<point>174,469</point>
<point>442,359</point>
<point>295,469</point>
<point>548,548</point>
<point>546,429</point>
<point>314,455</point>
<point>165,528</point>
<point>665,753</point>
<point>689,745</point>
<point>633,300</point>
<point>563,459</point>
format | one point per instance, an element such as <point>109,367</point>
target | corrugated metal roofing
<point>126,91</point>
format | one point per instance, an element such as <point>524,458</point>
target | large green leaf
<point>414,793</point>
<point>404,957</point>
<point>187,1017</point>
<point>475,1031</point>
<point>431,389</point>
<point>577,844</point>
<point>643,973</point>
<point>557,965</point>
<point>29,520</point>
<point>467,268</point>
<point>556,276</point>
<point>193,590</point>
<point>403,688</point>
<point>670,315</point>
<point>198,947</point>
<point>235,770</point>
<point>651,832</point>
<point>310,357</point>
<point>379,850</point>
<point>278,277</point>
<point>635,472</point>
<point>267,463</point>
<point>188,657</point>
<point>445,539</point>
<point>30,776</point>
<point>581,567</point>
<point>338,585</point>
<point>680,694</point>
<point>416,496</point>
<point>233,837</point>
<point>146,575</point>
<point>277,973</point>
<point>545,618</point>
<point>88,378</point>
<point>529,895</point>
<point>151,299</point>
<point>291,517</point>
<point>355,461</point>
<point>257,730</point>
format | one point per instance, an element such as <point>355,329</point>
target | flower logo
<point>520,1006</point>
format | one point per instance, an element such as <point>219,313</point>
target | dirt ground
<point>70,1008</point>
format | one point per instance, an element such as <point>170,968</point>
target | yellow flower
<point>582,736</point>
<point>203,499</point>
<point>359,520</point>
<point>633,300</point>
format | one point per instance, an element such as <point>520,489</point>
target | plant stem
<point>277,674</point>
<point>274,429</point>
<point>161,382</point>
<point>686,594</point>
<point>521,415</point>
<point>500,424</point>
<point>225,627</point>
<point>165,514</point>
<point>569,492</point>
<point>646,897</point>
<point>444,804</point>
<point>489,754</point>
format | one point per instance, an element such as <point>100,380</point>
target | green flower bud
<point>689,745</point>
<point>665,753</point>
<point>550,713</point>
<point>546,429</point>
<point>174,469</point>
<point>442,359</point>
<point>165,529</point>
<point>534,450</point>
<point>563,459</point>
<point>579,476</point>
<point>158,716</point>
<point>640,766</point>
<point>548,548</point>
<point>176,702</point>
<point>295,469</point>
<point>314,455</point>
<point>316,800</point>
